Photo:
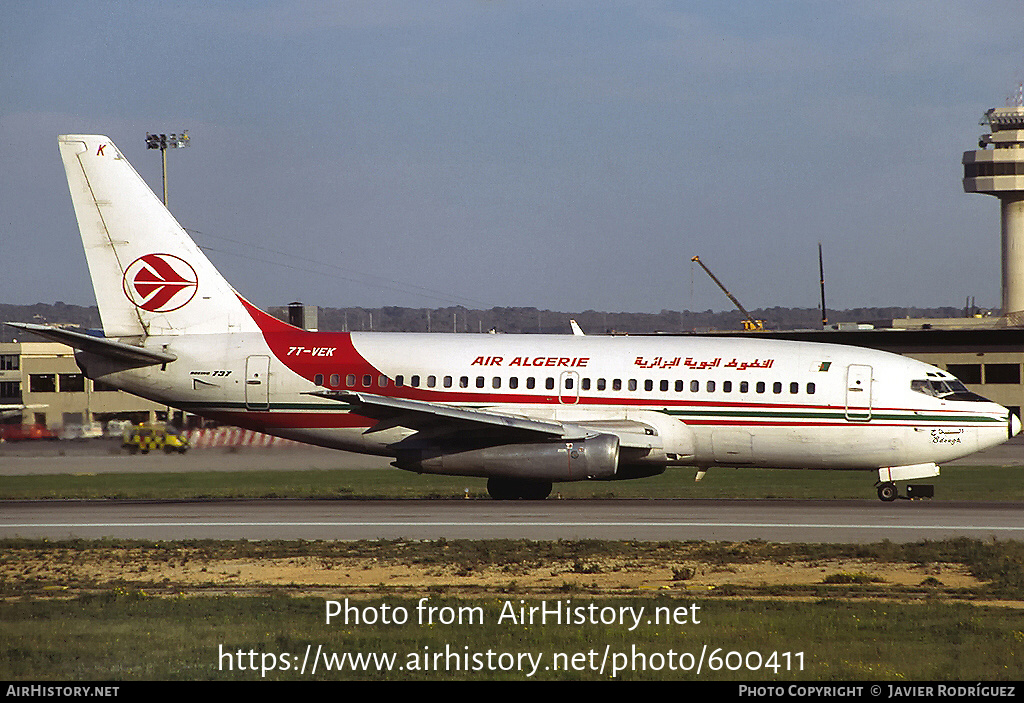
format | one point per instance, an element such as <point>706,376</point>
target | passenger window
<point>568,383</point>
<point>810,389</point>
<point>367,380</point>
<point>432,381</point>
<point>531,382</point>
<point>463,381</point>
<point>382,381</point>
<point>727,386</point>
<point>319,379</point>
<point>711,386</point>
<point>350,380</point>
<point>616,384</point>
<point>794,387</point>
<point>513,382</point>
<point>694,386</point>
<point>744,387</point>
<point>632,384</point>
<point>679,386</point>
<point>760,387</point>
<point>777,387</point>
<point>648,385</point>
<point>600,384</point>
<point>664,385</point>
<point>414,381</point>
<point>495,382</point>
<point>336,380</point>
<point>447,382</point>
<point>585,384</point>
<point>399,380</point>
<point>549,383</point>
<point>479,381</point>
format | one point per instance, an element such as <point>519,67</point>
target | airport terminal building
<point>44,378</point>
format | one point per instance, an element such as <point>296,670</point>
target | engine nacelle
<point>566,460</point>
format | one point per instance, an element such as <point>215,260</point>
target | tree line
<point>510,320</point>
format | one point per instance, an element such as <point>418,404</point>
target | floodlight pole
<point>164,142</point>
<point>163,168</point>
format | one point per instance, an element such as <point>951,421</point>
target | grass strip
<point>125,635</point>
<point>955,483</point>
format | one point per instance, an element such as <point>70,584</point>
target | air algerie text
<point>569,361</point>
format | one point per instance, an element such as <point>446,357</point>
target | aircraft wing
<point>438,418</point>
<point>100,346</point>
<point>422,415</point>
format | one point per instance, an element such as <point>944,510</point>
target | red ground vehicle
<point>16,433</point>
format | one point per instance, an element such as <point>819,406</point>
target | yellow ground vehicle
<point>144,438</point>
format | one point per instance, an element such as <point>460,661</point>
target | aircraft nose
<point>1014,426</point>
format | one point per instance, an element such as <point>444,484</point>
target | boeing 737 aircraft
<point>523,411</point>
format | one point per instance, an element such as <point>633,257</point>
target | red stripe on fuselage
<point>286,342</point>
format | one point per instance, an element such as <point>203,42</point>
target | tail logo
<point>160,282</point>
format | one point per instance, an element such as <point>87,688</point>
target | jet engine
<point>566,460</point>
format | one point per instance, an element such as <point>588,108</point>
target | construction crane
<point>749,323</point>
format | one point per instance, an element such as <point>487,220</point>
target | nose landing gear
<point>888,475</point>
<point>887,492</point>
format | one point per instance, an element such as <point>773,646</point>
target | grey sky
<point>565,155</point>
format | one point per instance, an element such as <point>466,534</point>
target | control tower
<point>997,168</point>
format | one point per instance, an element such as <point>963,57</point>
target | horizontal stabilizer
<point>100,346</point>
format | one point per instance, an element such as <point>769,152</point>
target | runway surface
<point>646,520</point>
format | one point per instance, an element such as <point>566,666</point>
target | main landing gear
<point>518,489</point>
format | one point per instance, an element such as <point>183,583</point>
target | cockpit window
<point>946,389</point>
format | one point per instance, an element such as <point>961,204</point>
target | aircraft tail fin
<point>150,278</point>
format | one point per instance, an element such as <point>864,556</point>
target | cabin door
<point>858,393</point>
<point>257,382</point>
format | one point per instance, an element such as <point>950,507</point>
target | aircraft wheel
<point>514,489</point>
<point>500,489</point>
<point>887,492</point>
<point>535,490</point>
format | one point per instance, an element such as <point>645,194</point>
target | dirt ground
<point>191,572</point>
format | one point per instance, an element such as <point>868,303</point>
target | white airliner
<point>523,411</point>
